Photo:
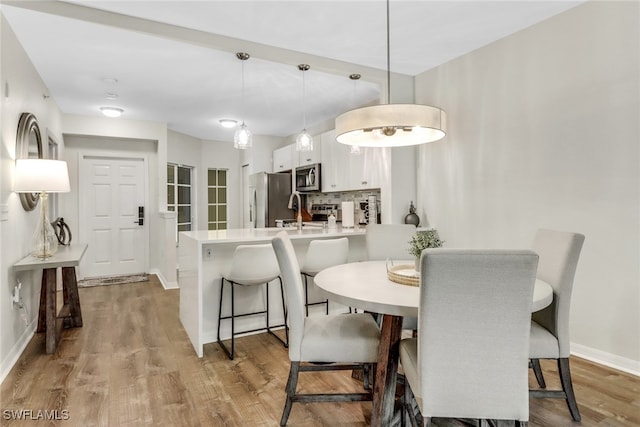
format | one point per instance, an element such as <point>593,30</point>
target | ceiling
<point>174,61</point>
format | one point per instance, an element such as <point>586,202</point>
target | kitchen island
<point>204,256</point>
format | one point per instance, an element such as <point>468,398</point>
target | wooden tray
<point>404,275</point>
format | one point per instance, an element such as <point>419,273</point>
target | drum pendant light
<point>391,125</point>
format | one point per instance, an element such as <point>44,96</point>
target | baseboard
<point>607,359</point>
<point>16,351</point>
<point>165,284</point>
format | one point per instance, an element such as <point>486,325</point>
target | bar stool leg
<point>284,311</point>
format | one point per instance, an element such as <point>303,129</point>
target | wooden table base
<point>70,315</point>
<point>386,371</point>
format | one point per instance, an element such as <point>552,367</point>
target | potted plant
<point>422,240</point>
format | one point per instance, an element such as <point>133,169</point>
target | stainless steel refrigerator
<point>268,198</point>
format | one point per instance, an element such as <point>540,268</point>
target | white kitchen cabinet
<point>309,157</point>
<point>283,159</point>
<point>335,163</point>
<point>343,171</point>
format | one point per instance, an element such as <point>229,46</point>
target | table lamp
<point>42,176</point>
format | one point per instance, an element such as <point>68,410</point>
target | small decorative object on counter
<point>63,233</point>
<point>332,221</point>
<point>412,217</point>
<point>423,240</point>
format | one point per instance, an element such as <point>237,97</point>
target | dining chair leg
<point>306,294</point>
<point>537,370</point>
<point>565,380</point>
<point>292,384</point>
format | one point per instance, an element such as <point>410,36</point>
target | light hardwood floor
<point>133,365</point>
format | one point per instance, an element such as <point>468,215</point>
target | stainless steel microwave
<point>308,177</point>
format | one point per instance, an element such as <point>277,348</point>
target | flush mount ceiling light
<point>391,125</point>
<point>242,138</point>
<point>112,111</point>
<point>304,141</point>
<point>228,123</point>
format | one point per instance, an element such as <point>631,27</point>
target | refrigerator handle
<point>252,206</point>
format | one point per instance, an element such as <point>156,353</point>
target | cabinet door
<point>282,159</point>
<point>365,169</point>
<point>335,162</point>
<point>313,156</point>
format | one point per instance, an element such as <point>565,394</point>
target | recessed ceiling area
<point>174,61</point>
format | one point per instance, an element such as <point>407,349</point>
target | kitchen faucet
<point>290,206</point>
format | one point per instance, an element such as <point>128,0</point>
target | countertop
<point>266,234</point>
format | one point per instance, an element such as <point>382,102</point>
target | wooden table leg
<point>70,296</point>
<point>49,283</point>
<point>42,311</point>
<point>386,371</point>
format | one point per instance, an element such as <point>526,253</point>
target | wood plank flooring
<point>131,364</point>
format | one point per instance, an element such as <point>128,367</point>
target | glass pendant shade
<point>304,141</point>
<point>243,138</point>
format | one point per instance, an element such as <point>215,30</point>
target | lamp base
<point>44,243</point>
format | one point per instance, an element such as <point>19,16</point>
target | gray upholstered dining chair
<point>559,252</point>
<point>321,254</point>
<point>470,359</point>
<point>322,343</point>
<point>391,241</point>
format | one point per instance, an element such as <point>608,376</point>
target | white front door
<point>112,198</point>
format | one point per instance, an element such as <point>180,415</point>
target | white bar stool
<point>251,265</point>
<point>322,254</point>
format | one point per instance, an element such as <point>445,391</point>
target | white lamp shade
<point>38,175</point>
<point>391,125</point>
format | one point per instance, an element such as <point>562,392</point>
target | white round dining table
<point>366,285</point>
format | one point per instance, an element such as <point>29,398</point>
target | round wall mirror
<point>28,146</point>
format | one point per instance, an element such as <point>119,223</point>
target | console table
<point>70,315</point>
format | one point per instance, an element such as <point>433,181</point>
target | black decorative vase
<point>412,217</point>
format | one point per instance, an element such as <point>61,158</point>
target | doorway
<point>113,219</point>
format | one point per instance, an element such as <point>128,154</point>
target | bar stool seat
<point>251,265</point>
<point>321,254</point>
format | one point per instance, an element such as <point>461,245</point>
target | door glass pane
<point>184,175</point>
<point>222,213</point>
<point>184,195</point>
<point>212,195</point>
<point>212,213</point>
<point>171,199</point>
<point>211,179</point>
<point>222,178</point>
<point>222,226</point>
<point>170,176</point>
<point>184,214</point>
<point>222,195</point>
<point>184,227</point>
<point>212,226</point>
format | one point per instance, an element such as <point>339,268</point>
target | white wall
<point>25,94</point>
<point>543,132</point>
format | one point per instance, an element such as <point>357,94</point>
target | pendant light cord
<point>243,109</point>
<point>304,112</point>
<point>388,59</point>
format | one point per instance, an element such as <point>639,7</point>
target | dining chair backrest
<point>559,252</point>
<point>290,272</point>
<point>253,264</point>
<point>324,253</point>
<point>473,333</point>
<point>389,241</point>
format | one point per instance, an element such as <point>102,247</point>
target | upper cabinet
<point>287,158</point>
<point>343,171</point>
<point>282,159</point>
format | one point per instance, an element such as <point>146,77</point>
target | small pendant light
<point>243,138</point>
<point>304,141</point>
